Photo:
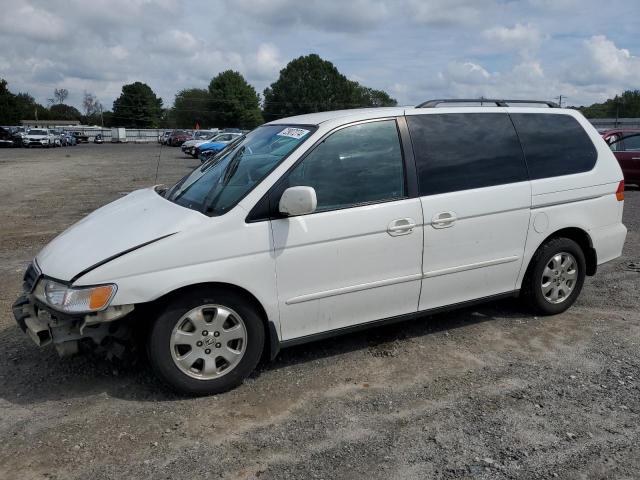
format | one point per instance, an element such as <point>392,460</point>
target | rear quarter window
<point>554,145</point>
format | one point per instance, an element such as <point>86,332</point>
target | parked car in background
<point>6,138</point>
<point>189,146</point>
<point>326,223</point>
<point>178,137</point>
<point>80,137</point>
<point>57,137</point>
<point>163,137</point>
<point>216,144</point>
<point>98,139</point>
<point>17,134</point>
<point>38,137</point>
<point>68,140</point>
<point>625,145</point>
<point>210,155</point>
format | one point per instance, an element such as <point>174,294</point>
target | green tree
<point>233,102</point>
<point>191,106</point>
<point>60,111</point>
<point>16,107</point>
<point>626,105</point>
<point>368,97</point>
<point>137,107</point>
<point>311,84</point>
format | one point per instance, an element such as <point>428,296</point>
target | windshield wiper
<point>232,167</point>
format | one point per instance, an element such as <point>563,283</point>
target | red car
<point>178,137</point>
<point>625,145</point>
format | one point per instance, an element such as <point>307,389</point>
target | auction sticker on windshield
<point>293,132</point>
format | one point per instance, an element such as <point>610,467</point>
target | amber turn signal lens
<point>620,191</point>
<point>100,296</point>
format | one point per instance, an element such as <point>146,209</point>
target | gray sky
<point>586,50</point>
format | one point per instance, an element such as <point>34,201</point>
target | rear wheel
<point>555,276</point>
<point>206,342</point>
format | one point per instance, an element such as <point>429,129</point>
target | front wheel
<point>555,276</point>
<point>206,342</point>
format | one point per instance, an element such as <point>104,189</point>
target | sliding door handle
<point>444,220</point>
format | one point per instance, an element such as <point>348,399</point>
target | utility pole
<point>560,99</point>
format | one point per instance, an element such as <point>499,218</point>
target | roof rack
<point>498,103</point>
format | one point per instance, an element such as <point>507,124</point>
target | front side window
<point>215,187</point>
<point>554,145</point>
<point>463,151</point>
<point>356,165</point>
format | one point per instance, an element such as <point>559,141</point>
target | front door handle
<point>444,220</point>
<point>401,226</point>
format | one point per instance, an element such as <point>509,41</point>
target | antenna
<point>155,182</point>
<point>560,97</point>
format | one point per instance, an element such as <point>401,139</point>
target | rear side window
<point>554,145</point>
<point>462,151</point>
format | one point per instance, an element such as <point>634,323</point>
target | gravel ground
<point>489,392</point>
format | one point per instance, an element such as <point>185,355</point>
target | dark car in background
<point>6,138</point>
<point>80,137</point>
<point>178,137</point>
<point>625,145</point>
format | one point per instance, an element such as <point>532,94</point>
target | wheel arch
<point>582,238</point>
<point>272,340</point>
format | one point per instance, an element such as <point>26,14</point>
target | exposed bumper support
<point>45,326</point>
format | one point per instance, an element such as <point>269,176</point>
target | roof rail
<point>498,103</point>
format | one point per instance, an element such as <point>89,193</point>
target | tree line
<point>626,105</point>
<point>307,84</point>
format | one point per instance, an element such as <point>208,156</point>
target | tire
<point>186,354</point>
<point>552,290</point>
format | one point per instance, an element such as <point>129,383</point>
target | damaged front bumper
<point>46,326</point>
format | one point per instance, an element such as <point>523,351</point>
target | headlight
<point>74,300</point>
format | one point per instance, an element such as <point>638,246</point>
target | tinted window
<point>355,165</point>
<point>632,143</point>
<point>465,150</point>
<point>554,144</point>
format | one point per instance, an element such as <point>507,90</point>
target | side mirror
<point>298,201</point>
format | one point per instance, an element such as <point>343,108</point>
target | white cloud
<point>467,73</point>
<point>449,12</point>
<point>34,24</point>
<point>267,62</point>
<point>611,62</point>
<point>519,37</point>
<point>327,15</point>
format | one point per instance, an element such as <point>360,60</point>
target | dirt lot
<point>490,392</point>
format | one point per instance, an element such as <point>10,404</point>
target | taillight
<point>620,191</point>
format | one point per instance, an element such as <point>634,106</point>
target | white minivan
<point>320,224</point>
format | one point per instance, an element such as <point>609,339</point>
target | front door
<point>358,258</point>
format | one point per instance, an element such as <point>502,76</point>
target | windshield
<point>37,132</point>
<point>215,187</point>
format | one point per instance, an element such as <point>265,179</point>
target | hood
<point>35,137</point>
<point>129,223</point>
